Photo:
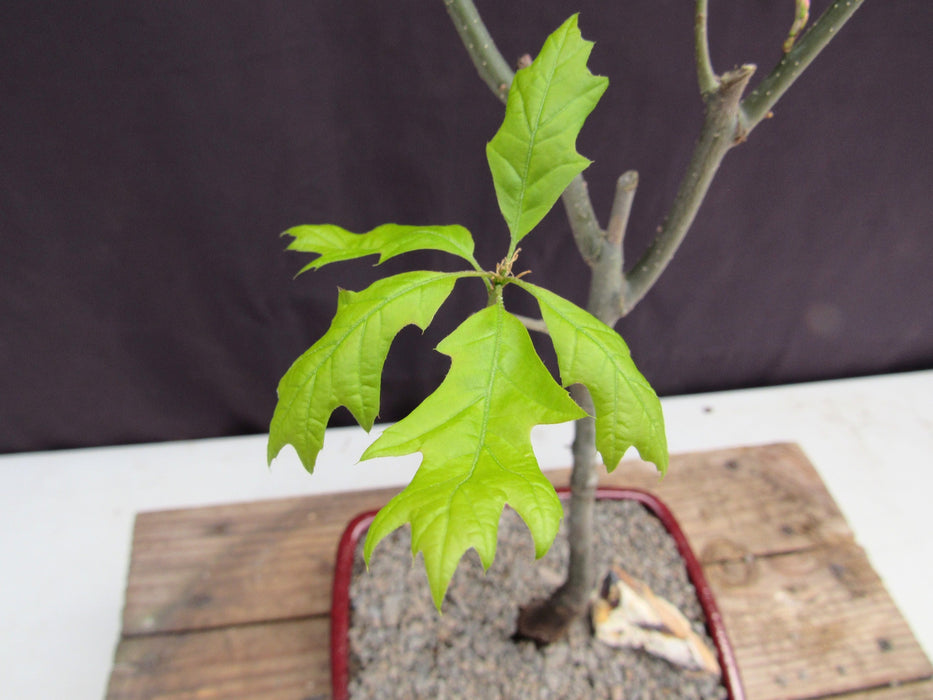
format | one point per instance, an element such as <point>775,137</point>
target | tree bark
<point>546,620</point>
<point>614,293</point>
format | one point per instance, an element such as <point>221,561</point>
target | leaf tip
<point>662,464</point>
<point>369,544</point>
<point>438,597</point>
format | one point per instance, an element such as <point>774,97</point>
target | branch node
<point>798,55</point>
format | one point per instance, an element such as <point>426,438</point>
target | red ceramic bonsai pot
<point>340,606</point>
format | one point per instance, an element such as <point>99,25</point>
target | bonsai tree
<point>473,431</point>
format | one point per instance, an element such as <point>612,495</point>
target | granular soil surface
<point>400,647</point>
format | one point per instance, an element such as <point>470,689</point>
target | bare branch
<point>492,67</point>
<point>587,233</point>
<point>495,71</point>
<point>728,121</point>
<point>757,105</point>
<point>721,131</point>
<point>706,77</point>
<point>613,294</point>
<point>621,207</point>
<point>801,16</point>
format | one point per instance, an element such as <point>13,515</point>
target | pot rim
<point>356,529</point>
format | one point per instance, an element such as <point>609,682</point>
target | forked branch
<point>758,104</point>
<point>612,293</point>
<point>721,131</point>
<point>729,120</point>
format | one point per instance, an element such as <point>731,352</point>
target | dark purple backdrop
<point>151,152</point>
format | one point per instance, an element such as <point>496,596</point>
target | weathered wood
<point>278,661</point>
<point>814,623</point>
<point>245,563</point>
<point>741,501</point>
<point>221,601</point>
<point>921,690</point>
<point>227,565</point>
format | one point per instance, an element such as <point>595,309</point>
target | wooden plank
<point>278,661</point>
<point>921,690</point>
<point>226,565</point>
<point>222,565</point>
<point>741,501</point>
<point>806,614</point>
<point>814,623</point>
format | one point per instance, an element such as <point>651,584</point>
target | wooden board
<point>814,623</point>
<point>231,601</point>
<point>229,565</point>
<point>279,661</point>
<point>922,690</point>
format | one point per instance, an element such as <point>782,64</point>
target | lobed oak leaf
<point>334,244</point>
<point>591,353</point>
<point>533,156</point>
<point>344,367</point>
<point>474,434</point>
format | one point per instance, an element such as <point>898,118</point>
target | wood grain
<point>280,661</point>
<point>736,502</point>
<point>231,601</point>
<point>921,690</point>
<point>814,623</point>
<point>229,565</point>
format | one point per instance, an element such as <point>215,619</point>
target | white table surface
<point>66,517</point>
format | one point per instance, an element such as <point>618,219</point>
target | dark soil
<point>402,648</point>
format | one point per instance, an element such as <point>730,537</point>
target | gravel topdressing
<point>400,647</point>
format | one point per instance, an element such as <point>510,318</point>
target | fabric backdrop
<point>151,152</point>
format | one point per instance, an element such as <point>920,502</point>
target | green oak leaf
<point>334,244</point>
<point>344,367</point>
<point>591,353</point>
<point>533,156</point>
<point>474,433</point>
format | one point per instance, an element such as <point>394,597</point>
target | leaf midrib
<point>533,133</point>
<point>352,329</point>
<point>612,357</point>
<point>369,247</point>
<point>484,425</point>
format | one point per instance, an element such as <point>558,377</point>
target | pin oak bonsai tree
<point>473,431</point>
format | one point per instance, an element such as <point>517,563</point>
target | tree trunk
<point>546,620</point>
<point>613,292</point>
